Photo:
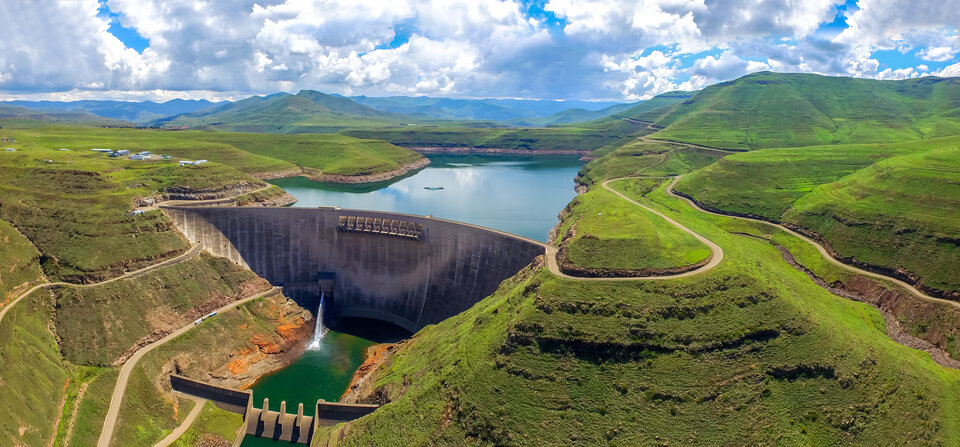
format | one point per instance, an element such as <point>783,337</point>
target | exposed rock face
<point>278,174</point>
<point>180,193</point>
<point>362,389</point>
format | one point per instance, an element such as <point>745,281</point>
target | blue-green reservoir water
<point>520,195</point>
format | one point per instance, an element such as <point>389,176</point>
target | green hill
<point>307,111</point>
<point>750,353</point>
<point>766,109</point>
<point>893,207</point>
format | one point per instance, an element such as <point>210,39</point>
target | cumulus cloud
<point>601,49</point>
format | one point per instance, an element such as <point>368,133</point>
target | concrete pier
<point>409,270</point>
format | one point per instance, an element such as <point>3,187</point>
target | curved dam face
<point>409,270</point>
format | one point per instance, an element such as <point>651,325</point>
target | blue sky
<point>555,49</point>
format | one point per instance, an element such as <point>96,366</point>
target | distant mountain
<point>478,109</point>
<point>307,111</point>
<point>8,111</point>
<point>134,112</point>
<point>765,109</point>
<point>568,116</point>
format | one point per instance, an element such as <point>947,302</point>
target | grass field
<point>331,154</point>
<point>611,233</point>
<point>255,154</point>
<point>750,353</point>
<point>892,206</point>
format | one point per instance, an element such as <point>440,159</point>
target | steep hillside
<point>766,109</point>
<point>891,207</point>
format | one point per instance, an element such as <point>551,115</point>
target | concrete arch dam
<point>408,270</point>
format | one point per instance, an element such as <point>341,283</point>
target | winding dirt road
<point>716,253</point>
<point>820,248</point>
<point>189,254</point>
<point>121,387</point>
<point>187,422</point>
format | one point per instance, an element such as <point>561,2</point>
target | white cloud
<point>949,71</point>
<point>608,49</point>
<point>937,54</point>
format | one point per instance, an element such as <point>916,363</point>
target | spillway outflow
<point>319,329</point>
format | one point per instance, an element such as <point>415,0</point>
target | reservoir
<point>516,194</point>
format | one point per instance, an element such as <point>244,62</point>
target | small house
<point>122,152</point>
<point>136,212</point>
<point>10,149</point>
<point>106,151</point>
<point>64,150</point>
<point>199,162</point>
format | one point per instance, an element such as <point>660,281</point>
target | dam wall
<point>409,270</point>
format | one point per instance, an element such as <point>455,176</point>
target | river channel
<point>516,194</point>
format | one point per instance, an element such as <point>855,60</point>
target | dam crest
<point>408,270</point>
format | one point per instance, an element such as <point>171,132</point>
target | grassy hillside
<point>891,206</point>
<point>647,157</point>
<point>34,377</point>
<point>750,353</point>
<point>331,154</point>
<point>98,324</point>
<point>20,263</point>
<point>566,138</point>
<point>766,109</point>
<point>902,214</point>
<point>254,154</point>
<point>604,232</point>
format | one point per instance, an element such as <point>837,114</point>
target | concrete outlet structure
<point>408,270</point>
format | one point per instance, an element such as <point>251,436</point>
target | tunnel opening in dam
<point>407,270</point>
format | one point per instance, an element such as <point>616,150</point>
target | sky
<point>622,50</point>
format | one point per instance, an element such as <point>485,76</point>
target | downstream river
<point>520,195</point>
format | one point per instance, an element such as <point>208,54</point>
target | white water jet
<point>319,329</point>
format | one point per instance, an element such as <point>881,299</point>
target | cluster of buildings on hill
<point>143,155</point>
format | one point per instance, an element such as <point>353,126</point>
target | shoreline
<point>372,178</point>
<point>345,179</point>
<point>493,150</point>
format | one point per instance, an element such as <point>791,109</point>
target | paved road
<point>121,386</point>
<point>716,253</point>
<point>189,254</point>
<point>185,425</point>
